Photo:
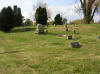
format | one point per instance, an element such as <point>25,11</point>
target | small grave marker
<point>74,45</point>
<point>69,37</point>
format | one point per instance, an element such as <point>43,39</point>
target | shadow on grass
<point>22,30</point>
<point>9,52</point>
<point>49,33</point>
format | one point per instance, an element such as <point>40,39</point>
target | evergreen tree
<point>6,19</point>
<point>18,16</point>
<point>41,16</point>
<point>58,20</point>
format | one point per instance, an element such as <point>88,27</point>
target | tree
<point>89,8</point>
<point>18,16</point>
<point>64,21</point>
<point>28,22</point>
<point>41,16</point>
<point>58,20</point>
<point>6,19</point>
<point>43,5</point>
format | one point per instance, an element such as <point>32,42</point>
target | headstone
<point>74,45</point>
<point>99,37</point>
<point>40,29</point>
<point>69,37</point>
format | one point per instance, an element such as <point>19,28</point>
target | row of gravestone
<point>40,30</point>
<point>75,44</point>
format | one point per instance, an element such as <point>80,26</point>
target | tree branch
<point>94,12</point>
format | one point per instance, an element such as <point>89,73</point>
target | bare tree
<point>89,8</point>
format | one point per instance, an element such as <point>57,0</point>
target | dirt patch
<point>61,36</point>
<point>87,27</point>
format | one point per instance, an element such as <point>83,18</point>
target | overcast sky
<point>65,7</point>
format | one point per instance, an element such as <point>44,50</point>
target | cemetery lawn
<point>23,52</point>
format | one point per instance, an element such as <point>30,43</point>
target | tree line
<point>12,17</point>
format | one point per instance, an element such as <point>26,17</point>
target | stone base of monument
<point>74,45</point>
<point>69,37</point>
<point>39,32</point>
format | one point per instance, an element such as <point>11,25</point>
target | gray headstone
<point>74,45</point>
<point>40,29</point>
<point>99,37</point>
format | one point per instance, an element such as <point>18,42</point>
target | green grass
<point>23,52</point>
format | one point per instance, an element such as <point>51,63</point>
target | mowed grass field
<point>23,52</point>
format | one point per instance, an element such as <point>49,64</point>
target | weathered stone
<point>74,45</point>
<point>69,37</point>
<point>40,29</point>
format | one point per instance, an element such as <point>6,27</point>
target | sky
<point>65,7</point>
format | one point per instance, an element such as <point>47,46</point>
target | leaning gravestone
<point>40,29</point>
<point>74,45</point>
